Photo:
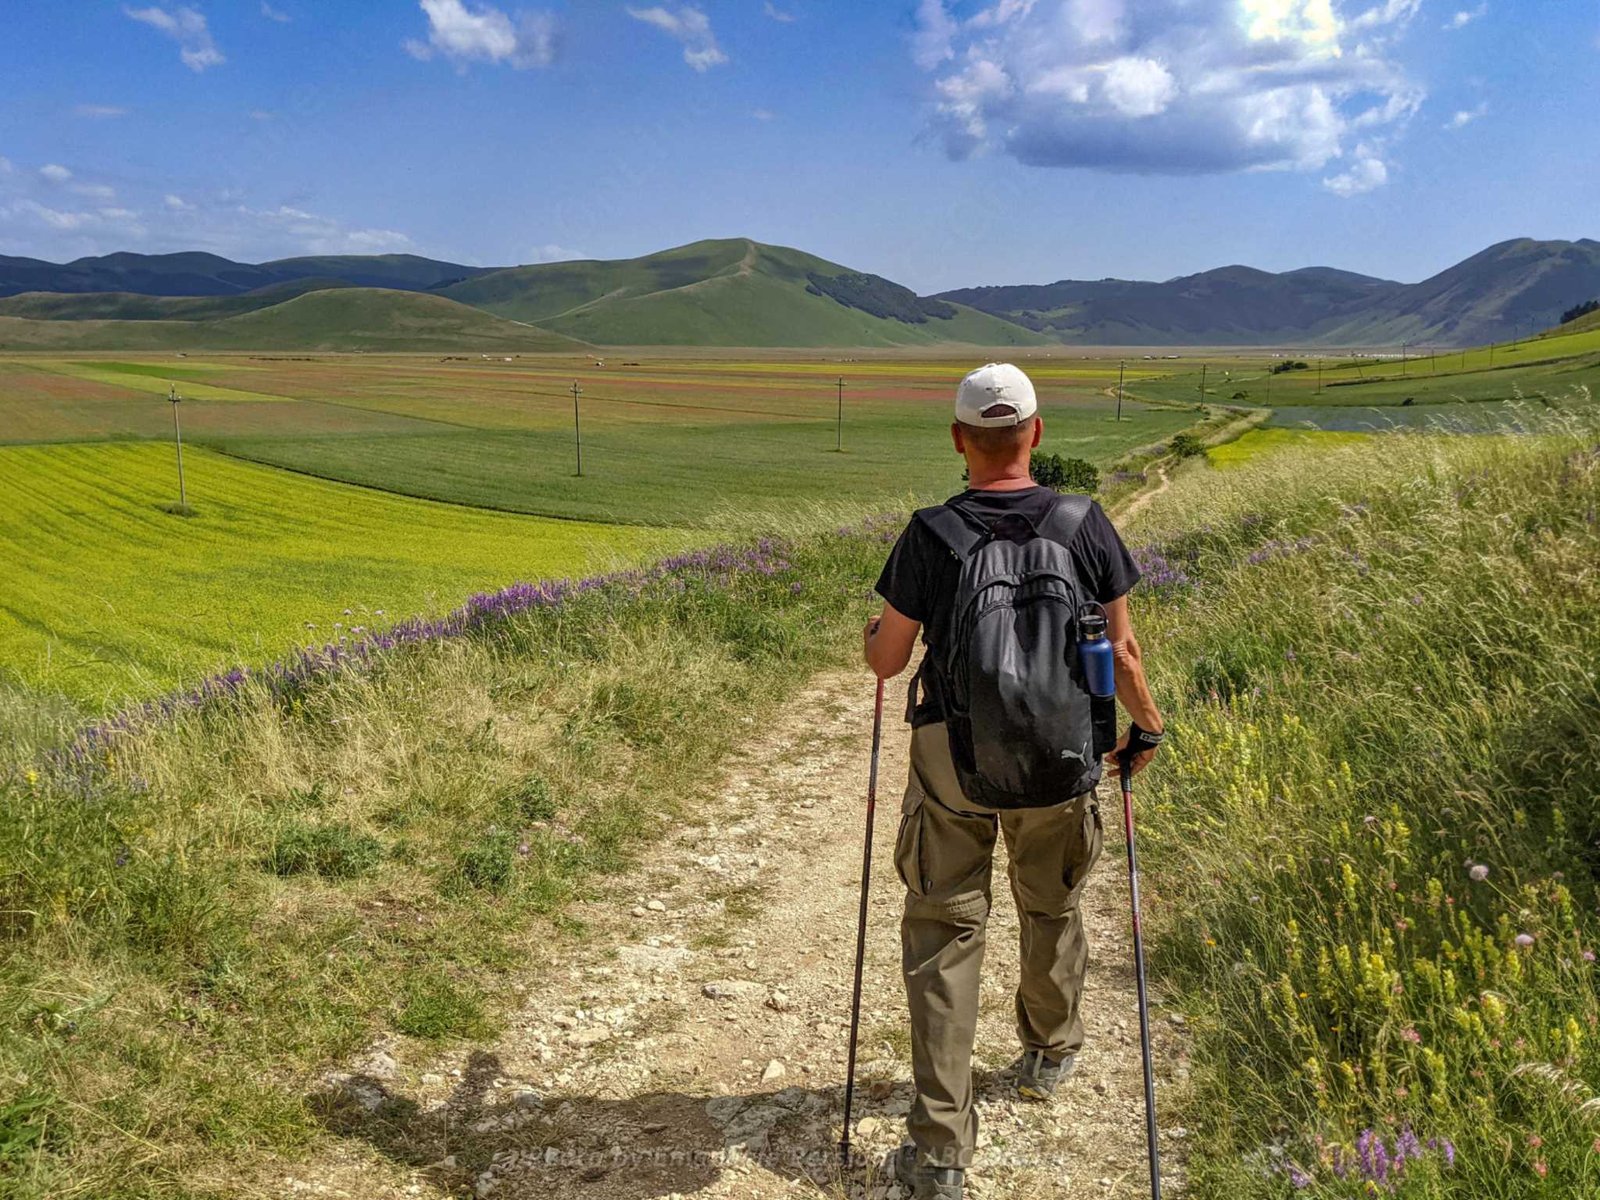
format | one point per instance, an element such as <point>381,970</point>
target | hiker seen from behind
<point>1002,582</point>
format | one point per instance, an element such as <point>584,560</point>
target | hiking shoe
<point>927,1183</point>
<point>1038,1077</point>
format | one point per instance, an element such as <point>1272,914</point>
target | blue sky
<point>942,144</point>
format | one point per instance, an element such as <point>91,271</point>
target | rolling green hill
<point>732,292</point>
<point>133,306</point>
<point>346,318</point>
<point>195,273</point>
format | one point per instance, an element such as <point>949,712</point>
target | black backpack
<point>1016,701</point>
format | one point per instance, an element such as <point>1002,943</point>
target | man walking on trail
<point>946,842</point>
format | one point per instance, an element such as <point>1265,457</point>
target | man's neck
<point>1012,478</point>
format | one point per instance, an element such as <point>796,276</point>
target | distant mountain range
<point>737,292</point>
<point>1514,287</point>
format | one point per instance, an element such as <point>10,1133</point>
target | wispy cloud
<point>274,14</point>
<point>1466,116</point>
<point>176,203</point>
<point>1172,86</point>
<point>764,114</point>
<point>55,173</point>
<point>689,26</point>
<point>1466,16</point>
<point>186,26</point>
<point>466,34</point>
<point>776,13</point>
<point>99,112</point>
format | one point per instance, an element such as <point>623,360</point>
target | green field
<point>745,473</point>
<point>1468,390</point>
<point>113,598</point>
<point>107,596</point>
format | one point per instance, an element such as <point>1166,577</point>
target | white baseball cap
<point>992,385</point>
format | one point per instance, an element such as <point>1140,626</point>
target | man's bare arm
<point>889,641</point>
<point>1133,689</point>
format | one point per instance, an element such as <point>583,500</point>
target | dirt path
<point>1143,497</point>
<point>694,1044</point>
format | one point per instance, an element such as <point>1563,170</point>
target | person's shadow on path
<point>639,1148</point>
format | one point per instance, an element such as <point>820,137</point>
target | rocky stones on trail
<point>774,1071</point>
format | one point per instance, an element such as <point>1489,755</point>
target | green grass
<point>108,597</point>
<point>1244,450</point>
<point>741,474</point>
<point>202,918</point>
<point>1381,675</point>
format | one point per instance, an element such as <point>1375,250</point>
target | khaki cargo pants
<point>943,855</point>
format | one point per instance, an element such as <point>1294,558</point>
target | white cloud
<point>1466,116</point>
<point>550,252</point>
<point>691,27</point>
<point>314,234</point>
<point>99,111</point>
<point>481,33</point>
<point>5,165</point>
<point>274,14</point>
<point>94,191</point>
<point>1365,173</point>
<point>54,173</point>
<point>1466,16</point>
<point>186,26</point>
<point>1172,86</point>
<point>763,114</point>
<point>776,13</point>
<point>261,114</point>
<point>934,41</point>
<point>176,203</point>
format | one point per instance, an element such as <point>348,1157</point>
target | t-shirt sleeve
<point>905,581</point>
<point>1111,570</point>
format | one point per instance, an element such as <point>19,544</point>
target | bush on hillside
<point>879,297</point>
<point>1186,445</point>
<point>1066,474</point>
<point>1580,310</point>
<point>1289,365</point>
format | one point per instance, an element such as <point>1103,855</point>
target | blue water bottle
<point>1100,675</point>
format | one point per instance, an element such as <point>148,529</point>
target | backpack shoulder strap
<point>1065,518</point>
<point>960,532</point>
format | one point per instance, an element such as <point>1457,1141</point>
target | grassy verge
<point>1373,844</point>
<point>199,911</point>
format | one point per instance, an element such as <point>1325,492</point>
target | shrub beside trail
<point>1373,845</point>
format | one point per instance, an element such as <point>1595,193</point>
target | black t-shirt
<point>920,578</point>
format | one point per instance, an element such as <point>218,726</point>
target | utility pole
<point>1202,383</point>
<point>1403,346</point>
<point>177,440</point>
<point>1269,383</point>
<point>838,429</point>
<point>577,428</point>
<point>1120,368</point>
<point>1319,374</point>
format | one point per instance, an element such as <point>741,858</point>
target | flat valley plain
<point>332,491</point>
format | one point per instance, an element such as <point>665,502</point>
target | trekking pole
<point>1126,775</point>
<point>861,927</point>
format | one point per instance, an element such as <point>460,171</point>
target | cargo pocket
<point>908,843</point>
<point>1085,840</point>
